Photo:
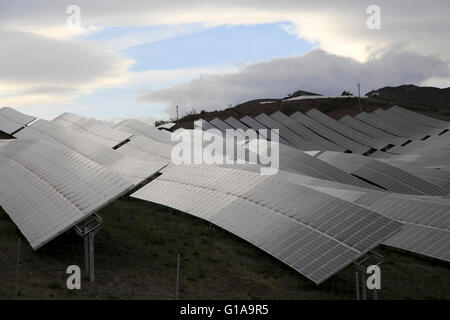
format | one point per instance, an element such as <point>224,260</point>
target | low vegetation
<point>136,254</point>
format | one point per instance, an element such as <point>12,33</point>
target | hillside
<point>335,107</point>
<point>431,97</point>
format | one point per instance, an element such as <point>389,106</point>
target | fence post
<point>17,268</point>
<point>178,276</point>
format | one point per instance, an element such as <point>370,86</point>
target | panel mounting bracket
<point>371,258</point>
<point>87,229</point>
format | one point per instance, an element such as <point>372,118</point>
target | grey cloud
<point>28,59</point>
<point>316,71</point>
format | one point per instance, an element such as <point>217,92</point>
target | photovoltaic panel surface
<point>314,233</point>
<point>318,141</point>
<point>381,174</point>
<point>435,123</point>
<point>133,169</point>
<point>262,130</point>
<point>372,131</point>
<point>94,128</point>
<point>329,134</point>
<point>285,132</point>
<point>379,123</point>
<point>47,188</point>
<point>137,127</point>
<point>426,220</point>
<point>394,120</point>
<point>12,120</point>
<point>345,130</point>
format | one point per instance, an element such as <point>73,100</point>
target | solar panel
<point>204,125</point>
<point>412,121</point>
<point>329,134</point>
<point>400,123</point>
<point>99,132</point>
<point>319,141</point>
<point>345,130</point>
<point>137,127</point>
<point>430,242</point>
<point>380,124</point>
<point>236,124</point>
<point>46,188</point>
<point>255,125</point>
<point>381,174</point>
<point>285,132</point>
<point>435,123</point>
<point>371,130</point>
<point>166,125</point>
<point>143,148</point>
<point>440,178</point>
<point>426,220</point>
<point>432,152</point>
<point>294,160</point>
<point>12,120</point>
<point>133,169</point>
<point>314,233</point>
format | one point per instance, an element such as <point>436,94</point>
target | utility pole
<point>177,115</point>
<point>359,97</point>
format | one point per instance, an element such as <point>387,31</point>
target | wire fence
<point>26,274</point>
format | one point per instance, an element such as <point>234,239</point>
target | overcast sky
<point>142,58</point>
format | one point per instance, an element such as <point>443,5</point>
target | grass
<point>136,253</point>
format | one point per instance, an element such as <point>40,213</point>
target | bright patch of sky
<point>167,55</point>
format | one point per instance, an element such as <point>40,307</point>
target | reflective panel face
<point>262,130</point>
<point>415,132</point>
<point>93,128</point>
<point>381,174</point>
<point>133,169</point>
<point>285,133</point>
<point>47,188</point>
<point>346,131</point>
<point>432,122</point>
<point>371,130</point>
<point>318,141</point>
<point>314,233</point>
<point>236,124</point>
<point>12,120</point>
<point>137,127</point>
<point>329,134</point>
<point>426,220</point>
<point>381,124</point>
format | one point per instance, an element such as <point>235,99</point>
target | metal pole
<point>177,115</point>
<point>178,276</point>
<point>357,285</point>
<point>375,294</point>
<point>363,283</point>
<point>86,255</point>
<point>359,97</point>
<point>91,257</point>
<point>17,268</point>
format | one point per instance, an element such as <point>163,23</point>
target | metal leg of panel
<point>87,230</point>
<point>357,285</point>
<point>91,257</point>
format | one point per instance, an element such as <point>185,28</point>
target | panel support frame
<point>371,258</point>
<point>87,230</point>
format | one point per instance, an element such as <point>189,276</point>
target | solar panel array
<point>47,188</point>
<point>12,120</point>
<point>320,212</point>
<point>315,234</point>
<point>94,128</point>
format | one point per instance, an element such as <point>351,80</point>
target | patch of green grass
<point>136,258</point>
